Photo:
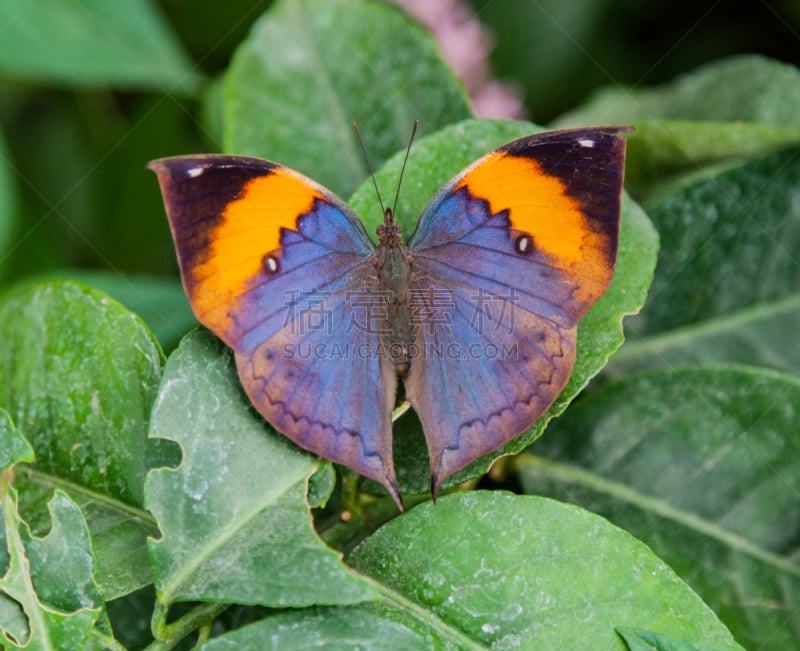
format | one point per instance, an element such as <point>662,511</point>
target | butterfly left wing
<point>506,259</point>
<point>274,265</point>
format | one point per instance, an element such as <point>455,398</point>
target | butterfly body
<point>393,263</point>
<point>475,314</point>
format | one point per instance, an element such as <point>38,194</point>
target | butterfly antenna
<point>405,160</point>
<point>369,166</point>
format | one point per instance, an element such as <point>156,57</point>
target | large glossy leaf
<point>726,285</point>
<point>78,374</point>
<point>312,67</point>
<point>703,464</point>
<point>234,521</point>
<point>487,570</point>
<point>92,43</point>
<point>432,162</point>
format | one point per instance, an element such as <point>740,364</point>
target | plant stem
<point>168,635</point>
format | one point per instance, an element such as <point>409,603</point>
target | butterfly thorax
<point>393,264</point>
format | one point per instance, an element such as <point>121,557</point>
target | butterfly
<point>475,314</point>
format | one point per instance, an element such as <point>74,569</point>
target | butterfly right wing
<point>275,265</point>
<point>513,252</point>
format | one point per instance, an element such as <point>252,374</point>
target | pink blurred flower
<point>466,46</point>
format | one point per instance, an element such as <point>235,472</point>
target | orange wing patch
<point>539,205</point>
<point>249,228</point>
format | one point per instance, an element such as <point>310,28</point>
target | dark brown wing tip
<point>390,484</point>
<point>436,484</point>
<point>161,165</point>
<point>166,168</point>
<point>157,166</point>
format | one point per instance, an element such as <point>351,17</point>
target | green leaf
<point>159,301</point>
<point>61,564</point>
<point>492,570</point>
<point>662,151</point>
<point>332,629</point>
<point>746,88</point>
<point>78,374</point>
<point>760,335</point>
<point>726,285</point>
<point>49,579</point>
<point>312,67</point>
<point>321,485</point>
<point>638,640</point>
<point>432,162</point>
<point>703,464</point>
<point>233,516</point>
<point>93,43</point>
<point>484,570</point>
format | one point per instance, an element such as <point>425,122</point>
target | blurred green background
<point>92,90</point>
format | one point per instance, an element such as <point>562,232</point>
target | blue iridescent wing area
<point>507,258</point>
<point>274,264</point>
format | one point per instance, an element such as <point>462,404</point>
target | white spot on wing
<point>586,142</point>
<point>195,172</point>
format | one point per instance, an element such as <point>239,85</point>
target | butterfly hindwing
<point>273,264</point>
<point>507,258</point>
